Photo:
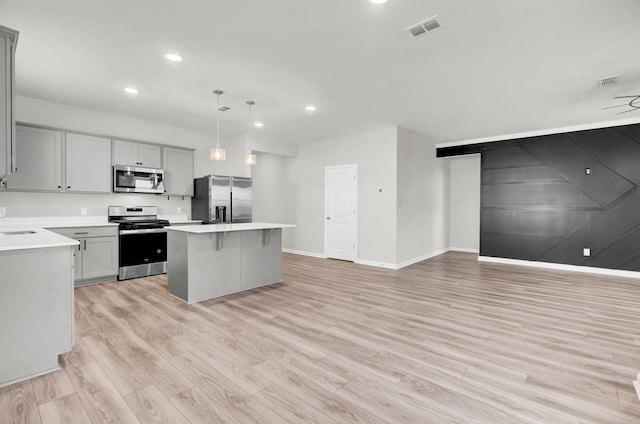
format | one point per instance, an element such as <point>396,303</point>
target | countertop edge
<point>222,228</point>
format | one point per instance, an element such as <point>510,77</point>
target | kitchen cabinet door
<point>39,165</point>
<point>150,156</point>
<point>8,40</point>
<point>178,171</point>
<point>99,257</point>
<point>88,163</point>
<point>77,261</point>
<point>136,154</point>
<point>125,153</point>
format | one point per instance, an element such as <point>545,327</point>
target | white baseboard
<point>464,249</point>
<point>561,267</point>
<point>304,253</point>
<point>375,263</point>
<point>421,258</point>
<point>401,264</point>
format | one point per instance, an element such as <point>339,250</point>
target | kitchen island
<point>207,261</point>
<point>36,301</point>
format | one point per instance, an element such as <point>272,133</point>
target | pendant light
<point>217,153</point>
<point>250,158</point>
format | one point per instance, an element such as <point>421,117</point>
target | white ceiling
<point>497,67</point>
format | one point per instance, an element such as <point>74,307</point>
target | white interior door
<point>340,212</point>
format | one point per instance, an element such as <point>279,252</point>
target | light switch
<point>586,252</point>
<point>83,211</point>
<point>3,211</point>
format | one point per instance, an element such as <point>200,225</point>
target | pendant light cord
<point>218,123</point>
<point>250,128</point>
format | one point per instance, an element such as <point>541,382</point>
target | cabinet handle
<point>82,232</point>
<point>85,244</point>
<point>68,186</point>
<point>59,186</point>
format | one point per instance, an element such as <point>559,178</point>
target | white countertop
<point>82,221</point>
<point>221,228</point>
<point>40,239</point>
<point>57,221</point>
<point>73,225</point>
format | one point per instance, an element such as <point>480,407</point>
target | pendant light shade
<point>250,158</point>
<point>218,153</point>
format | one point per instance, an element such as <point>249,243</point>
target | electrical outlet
<point>587,171</point>
<point>83,211</point>
<point>3,211</point>
<point>586,252</point>
<point>180,210</point>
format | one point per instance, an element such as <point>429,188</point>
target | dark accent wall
<point>467,149</point>
<point>539,204</point>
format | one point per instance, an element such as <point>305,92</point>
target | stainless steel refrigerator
<point>218,199</point>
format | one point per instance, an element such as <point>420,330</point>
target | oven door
<point>142,253</point>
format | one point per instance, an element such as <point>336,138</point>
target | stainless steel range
<point>143,241</point>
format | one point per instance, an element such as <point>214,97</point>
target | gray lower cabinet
<point>36,312</point>
<point>96,258</point>
<point>178,171</point>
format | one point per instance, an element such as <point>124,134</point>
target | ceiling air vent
<point>603,82</point>
<point>423,27</point>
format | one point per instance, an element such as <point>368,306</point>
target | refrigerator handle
<point>221,213</point>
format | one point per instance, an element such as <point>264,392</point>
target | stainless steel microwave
<point>134,179</point>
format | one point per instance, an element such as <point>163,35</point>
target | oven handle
<point>144,231</point>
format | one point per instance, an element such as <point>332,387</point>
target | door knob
<point>328,218</point>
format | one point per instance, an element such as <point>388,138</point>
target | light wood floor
<point>448,340</point>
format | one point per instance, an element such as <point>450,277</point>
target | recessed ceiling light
<point>310,108</point>
<point>131,90</point>
<point>173,57</point>
<point>258,124</point>
<point>378,1</point>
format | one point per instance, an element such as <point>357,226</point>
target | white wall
<point>272,193</point>
<point>375,155</point>
<point>33,204</point>
<point>423,206</point>
<point>464,202</point>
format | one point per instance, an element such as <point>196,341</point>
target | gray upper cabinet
<point>178,171</point>
<point>150,155</point>
<point>136,154</point>
<point>8,41</point>
<point>88,163</point>
<point>39,164</point>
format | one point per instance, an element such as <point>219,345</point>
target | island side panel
<point>261,262</point>
<point>177,264</point>
<point>36,311</point>
<point>214,265</point>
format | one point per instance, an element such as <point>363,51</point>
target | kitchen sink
<point>15,233</point>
